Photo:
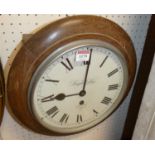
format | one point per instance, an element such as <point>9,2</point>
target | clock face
<point>78,86</point>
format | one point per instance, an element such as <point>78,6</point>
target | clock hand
<point>86,73</point>
<point>62,96</point>
<point>48,98</point>
<point>58,97</point>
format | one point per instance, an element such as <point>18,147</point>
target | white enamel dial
<point>69,94</point>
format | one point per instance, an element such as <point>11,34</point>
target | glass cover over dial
<point>76,88</point>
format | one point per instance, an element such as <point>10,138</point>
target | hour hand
<point>58,97</point>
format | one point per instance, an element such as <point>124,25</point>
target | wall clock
<point>71,75</point>
<point>2,94</point>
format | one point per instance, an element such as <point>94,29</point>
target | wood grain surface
<point>47,40</point>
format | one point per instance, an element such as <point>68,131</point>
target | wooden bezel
<point>53,36</point>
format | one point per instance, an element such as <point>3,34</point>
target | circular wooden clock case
<point>71,75</point>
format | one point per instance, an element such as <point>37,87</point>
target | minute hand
<point>86,73</point>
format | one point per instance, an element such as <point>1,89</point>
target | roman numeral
<point>103,61</point>
<point>54,114</point>
<point>64,118</point>
<point>106,100</point>
<point>79,118</point>
<point>113,72</point>
<point>48,98</point>
<point>50,80</point>
<point>53,111</point>
<point>95,111</point>
<point>67,65</point>
<point>113,87</point>
<point>85,62</point>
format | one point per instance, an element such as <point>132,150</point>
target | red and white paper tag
<point>82,55</point>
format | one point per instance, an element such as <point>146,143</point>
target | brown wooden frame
<point>42,43</point>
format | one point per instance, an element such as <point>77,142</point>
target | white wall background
<point>12,27</point>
